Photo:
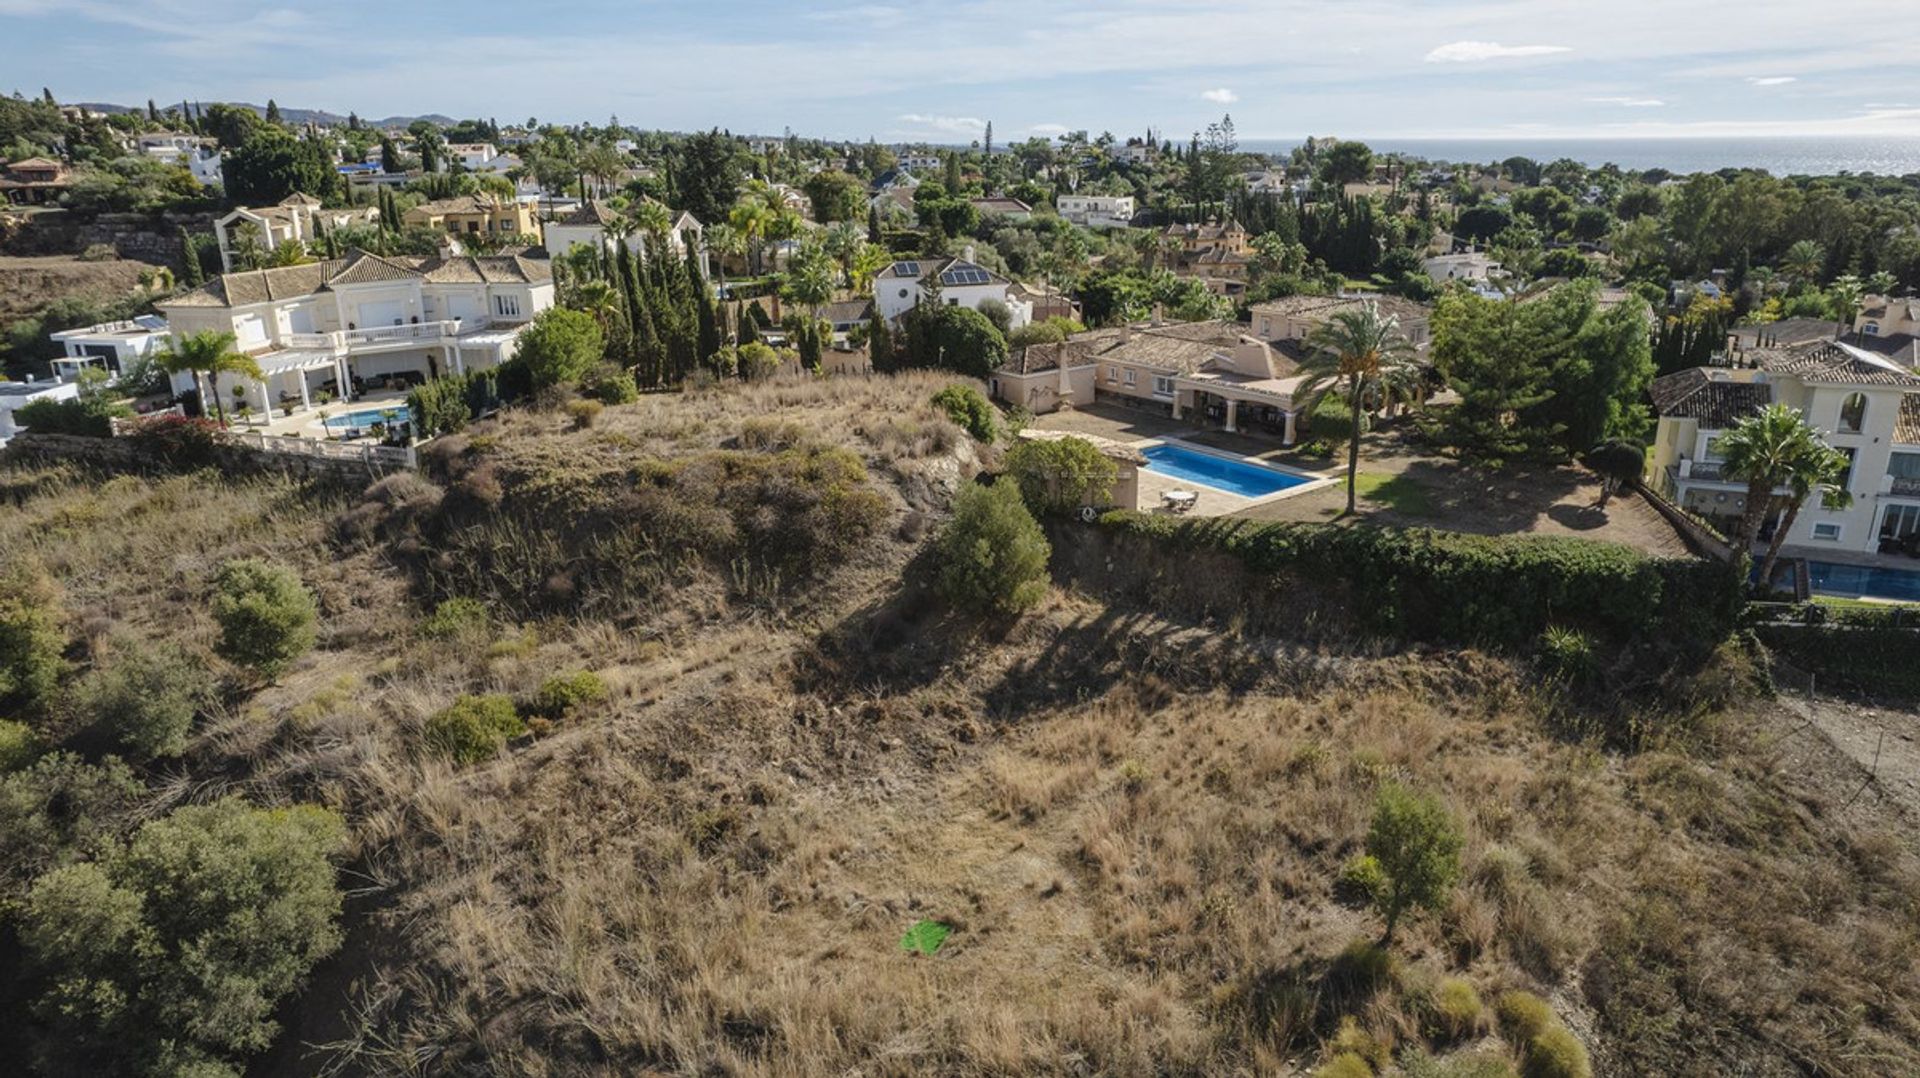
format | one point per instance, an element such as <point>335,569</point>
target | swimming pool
<point>1860,581</point>
<point>361,422</point>
<point>1240,477</point>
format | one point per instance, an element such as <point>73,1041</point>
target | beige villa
<point>1205,371</point>
<point>483,215</point>
<point>1294,318</point>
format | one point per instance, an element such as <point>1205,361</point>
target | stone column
<point>1291,415</point>
<point>306,401</point>
<point>1176,402</point>
<point>1233,411</point>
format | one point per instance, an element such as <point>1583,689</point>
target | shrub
<point>758,361</point>
<point>993,554</point>
<point>584,412</point>
<point>266,615</point>
<point>1362,878</point>
<point>1567,654</point>
<point>1523,1016</point>
<point>170,955</point>
<point>32,646</point>
<point>475,728</point>
<point>18,745</point>
<point>968,409</point>
<point>560,347</point>
<point>610,383</point>
<point>59,809</point>
<point>1344,1065</point>
<point>455,618</point>
<point>448,404</point>
<point>1457,1008</point>
<point>562,693</point>
<point>1061,474</point>
<point>143,704</point>
<point>1350,1040</point>
<point>1418,846</point>
<point>89,417</point>
<point>175,440</point>
<point>1556,1053</point>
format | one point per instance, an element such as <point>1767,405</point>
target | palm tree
<point>751,217</point>
<point>1764,279</point>
<point>599,299</point>
<point>1359,355</point>
<point>725,241</point>
<point>1803,262</point>
<point>1764,449</point>
<point>842,241</point>
<point>653,221</point>
<point>1822,470</point>
<point>210,353</point>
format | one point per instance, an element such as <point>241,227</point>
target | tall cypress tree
<point>873,224</point>
<point>190,260</point>
<point>709,336</point>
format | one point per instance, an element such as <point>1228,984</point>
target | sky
<point>921,70</point>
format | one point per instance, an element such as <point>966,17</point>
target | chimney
<point>966,253</point>
<point>1159,313</point>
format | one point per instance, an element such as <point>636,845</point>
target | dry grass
<point>1134,828</point>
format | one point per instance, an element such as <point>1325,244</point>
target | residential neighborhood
<point>897,540</point>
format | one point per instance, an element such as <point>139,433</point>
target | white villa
<point>588,224</point>
<point>362,323</point>
<point>16,395</point>
<point>296,217</point>
<point>901,286</point>
<point>111,345</point>
<point>1097,211</point>
<point>1867,405</point>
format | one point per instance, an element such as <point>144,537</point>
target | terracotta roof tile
<point>1715,401</point>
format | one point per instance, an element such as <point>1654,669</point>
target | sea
<point>1808,155</point>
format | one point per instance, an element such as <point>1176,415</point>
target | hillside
<point>1132,805</point>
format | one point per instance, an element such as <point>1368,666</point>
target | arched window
<point>1853,413</point>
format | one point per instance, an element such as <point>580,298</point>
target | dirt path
<point>1884,744</point>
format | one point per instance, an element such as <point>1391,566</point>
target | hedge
<point>1503,591</point>
<point>445,405</point>
<point>89,417</point>
<point>1880,662</point>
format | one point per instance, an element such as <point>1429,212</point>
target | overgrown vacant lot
<point>1134,823</point>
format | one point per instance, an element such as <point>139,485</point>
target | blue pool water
<point>361,422</point>
<point>1859,581</point>
<point>1221,473</point>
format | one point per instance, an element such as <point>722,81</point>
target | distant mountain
<point>290,115</point>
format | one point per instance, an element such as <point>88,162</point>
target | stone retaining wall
<point>122,454</point>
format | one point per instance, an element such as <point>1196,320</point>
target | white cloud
<point>1771,80</point>
<point>1630,102</point>
<point>1220,96</point>
<point>969,126</point>
<point>1473,52</point>
<point>1049,129</point>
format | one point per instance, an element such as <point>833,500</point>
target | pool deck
<point>308,424</point>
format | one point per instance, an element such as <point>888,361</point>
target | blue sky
<point>910,70</point>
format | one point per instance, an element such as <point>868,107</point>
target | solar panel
<point>965,275</point>
<point>906,269</point>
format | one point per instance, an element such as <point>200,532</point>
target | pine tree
<point>153,111</point>
<point>873,224</point>
<point>273,111</point>
<point>986,140</point>
<point>353,121</point>
<point>46,94</point>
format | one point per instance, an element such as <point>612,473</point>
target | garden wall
<point>126,454</point>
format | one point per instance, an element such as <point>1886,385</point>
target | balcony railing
<point>1708,470</point>
<point>411,333</point>
<point>1904,486</point>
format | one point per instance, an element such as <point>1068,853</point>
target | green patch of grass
<point>925,937</point>
<point>1396,492</point>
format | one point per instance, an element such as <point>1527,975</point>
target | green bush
<point>475,728</point>
<point>448,404</point>
<point>610,383</point>
<point>968,409</point>
<point>993,554</point>
<point>560,347</point>
<point>1457,1008</point>
<point>1556,1053</point>
<point>1061,474</point>
<point>1344,1065</point>
<point>757,361</point>
<point>1523,1016</point>
<point>32,647</point>
<point>562,693</point>
<point>87,416</point>
<point>1361,877</point>
<point>455,618</point>
<point>1422,584</point>
<point>18,745</point>
<point>1879,662</point>
<point>143,704</point>
<point>170,956</point>
<point>57,810</point>
<point>266,615</point>
<point>1418,847</point>
<point>584,413</point>
<point>1567,654</point>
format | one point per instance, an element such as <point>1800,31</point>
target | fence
<point>1703,539</point>
<point>380,458</point>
